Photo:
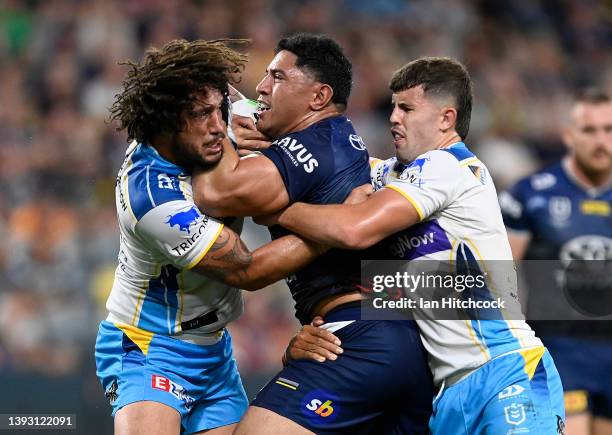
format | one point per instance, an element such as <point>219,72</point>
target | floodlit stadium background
<point>58,156</point>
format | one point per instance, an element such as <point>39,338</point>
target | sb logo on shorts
<point>320,406</point>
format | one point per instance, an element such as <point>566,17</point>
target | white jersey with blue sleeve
<point>162,236</point>
<point>460,220</point>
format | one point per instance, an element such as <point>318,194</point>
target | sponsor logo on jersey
<point>162,383</point>
<point>515,414</point>
<point>357,142</point>
<point>599,208</point>
<point>510,206</point>
<point>543,181</point>
<point>320,406</point>
<point>584,274</point>
<point>193,236</point>
<point>165,182</point>
<point>184,219</point>
<point>298,153</point>
<point>380,175</point>
<point>413,171</point>
<point>511,391</point>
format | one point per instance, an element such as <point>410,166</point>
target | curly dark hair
<point>159,90</point>
<point>324,59</point>
<point>439,76</point>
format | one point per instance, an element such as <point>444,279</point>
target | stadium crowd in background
<point>59,156</point>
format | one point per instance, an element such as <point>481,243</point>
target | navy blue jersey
<point>321,165</point>
<point>566,221</point>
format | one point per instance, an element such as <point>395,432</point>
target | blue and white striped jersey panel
<point>456,200</point>
<point>163,236</point>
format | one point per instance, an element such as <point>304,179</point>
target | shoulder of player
<point>439,160</point>
<point>150,186</point>
<point>541,181</point>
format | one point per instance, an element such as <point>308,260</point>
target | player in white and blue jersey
<point>564,213</point>
<point>318,157</point>
<point>436,201</point>
<point>163,354</point>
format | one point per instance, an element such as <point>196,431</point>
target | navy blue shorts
<point>585,367</point>
<point>381,383</point>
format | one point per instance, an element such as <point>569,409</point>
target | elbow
<point>353,237</point>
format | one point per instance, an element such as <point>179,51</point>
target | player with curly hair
<point>163,354</point>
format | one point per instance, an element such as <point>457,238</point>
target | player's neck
<point>448,139</point>
<point>164,148</point>
<point>313,117</point>
<point>589,179</point>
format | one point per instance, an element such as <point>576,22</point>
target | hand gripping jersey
<point>321,165</point>
<point>456,200</point>
<point>569,223</point>
<point>163,235</point>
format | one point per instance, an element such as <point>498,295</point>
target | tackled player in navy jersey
<point>317,157</point>
<point>564,213</point>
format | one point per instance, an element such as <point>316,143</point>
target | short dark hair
<point>157,91</point>
<point>592,95</point>
<point>324,59</point>
<point>439,76</point>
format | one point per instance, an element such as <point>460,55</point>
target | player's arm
<point>239,187</point>
<point>515,219</point>
<point>519,241</point>
<point>229,260</point>
<point>352,226</point>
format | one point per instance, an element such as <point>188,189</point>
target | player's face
<point>414,123</point>
<point>589,137</point>
<point>284,94</point>
<point>200,142</point>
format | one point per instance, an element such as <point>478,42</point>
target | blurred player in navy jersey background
<point>564,212</point>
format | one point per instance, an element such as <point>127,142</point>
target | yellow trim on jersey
<point>373,162</point>
<point>205,251</point>
<point>416,206</point>
<point>143,291</point>
<point>532,359</point>
<point>285,385</point>
<point>469,161</point>
<point>140,337</point>
<point>483,350</point>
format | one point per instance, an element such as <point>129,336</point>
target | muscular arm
<point>239,187</point>
<point>351,226</point>
<point>230,261</point>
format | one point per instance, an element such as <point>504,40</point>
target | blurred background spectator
<point>59,155</point>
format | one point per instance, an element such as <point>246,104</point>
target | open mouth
<point>397,135</point>
<point>262,107</point>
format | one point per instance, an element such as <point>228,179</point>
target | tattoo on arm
<point>227,260</point>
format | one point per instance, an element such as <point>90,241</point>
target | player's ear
<point>322,96</point>
<point>448,119</point>
<point>567,137</point>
